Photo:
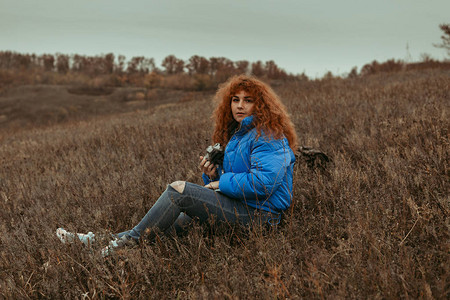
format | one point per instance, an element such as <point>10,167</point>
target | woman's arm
<point>269,161</point>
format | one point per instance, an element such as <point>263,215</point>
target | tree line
<point>196,73</point>
<point>107,64</point>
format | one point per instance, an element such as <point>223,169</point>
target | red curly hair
<point>269,114</point>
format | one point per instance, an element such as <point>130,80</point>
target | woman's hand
<point>208,168</point>
<point>214,185</point>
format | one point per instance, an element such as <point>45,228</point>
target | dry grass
<point>375,226</point>
<point>29,106</point>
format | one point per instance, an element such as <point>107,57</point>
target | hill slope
<point>375,225</point>
<point>28,106</point>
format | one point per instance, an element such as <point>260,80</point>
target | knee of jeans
<point>178,186</point>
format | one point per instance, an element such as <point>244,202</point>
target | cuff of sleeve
<point>224,184</point>
<point>205,178</point>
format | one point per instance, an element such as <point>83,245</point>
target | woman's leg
<point>202,203</point>
<point>161,216</point>
<point>178,227</point>
<point>196,202</point>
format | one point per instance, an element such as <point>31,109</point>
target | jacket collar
<point>246,125</point>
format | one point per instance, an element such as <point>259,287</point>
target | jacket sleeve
<point>269,160</point>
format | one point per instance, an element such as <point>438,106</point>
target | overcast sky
<point>310,36</point>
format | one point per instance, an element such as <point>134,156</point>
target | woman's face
<point>242,105</point>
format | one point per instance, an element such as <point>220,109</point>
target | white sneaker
<point>118,243</point>
<point>69,237</point>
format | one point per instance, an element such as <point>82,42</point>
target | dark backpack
<point>315,159</point>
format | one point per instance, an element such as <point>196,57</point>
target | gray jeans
<point>174,210</point>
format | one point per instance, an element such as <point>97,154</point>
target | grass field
<point>375,225</point>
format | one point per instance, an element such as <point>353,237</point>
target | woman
<point>254,183</point>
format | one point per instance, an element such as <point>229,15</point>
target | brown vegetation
<point>30,106</point>
<point>374,226</point>
<point>198,73</point>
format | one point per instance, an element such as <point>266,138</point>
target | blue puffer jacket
<point>257,171</point>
